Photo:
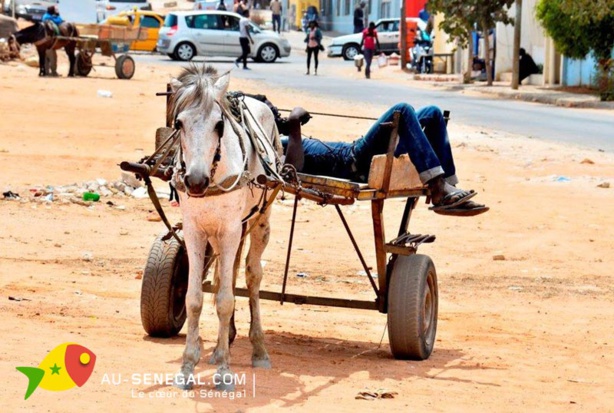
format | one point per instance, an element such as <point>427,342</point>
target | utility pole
<point>516,54</point>
<point>403,36</point>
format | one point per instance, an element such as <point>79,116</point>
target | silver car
<point>186,34</point>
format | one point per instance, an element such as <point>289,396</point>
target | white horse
<point>215,151</point>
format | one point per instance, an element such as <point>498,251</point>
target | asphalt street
<point>586,127</point>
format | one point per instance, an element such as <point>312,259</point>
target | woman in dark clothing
<point>313,40</point>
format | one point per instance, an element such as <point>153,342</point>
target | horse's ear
<point>221,85</point>
<point>175,85</point>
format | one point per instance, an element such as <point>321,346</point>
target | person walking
<point>245,39</point>
<point>359,17</point>
<point>368,45</point>
<point>313,40</point>
<point>276,9</point>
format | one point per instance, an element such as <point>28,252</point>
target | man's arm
<point>294,152</point>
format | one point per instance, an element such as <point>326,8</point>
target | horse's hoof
<point>224,380</point>
<point>261,363</point>
<point>182,383</point>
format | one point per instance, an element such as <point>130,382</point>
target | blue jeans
<point>429,150</point>
<point>277,23</point>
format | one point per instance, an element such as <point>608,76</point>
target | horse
<point>44,38</point>
<point>216,151</point>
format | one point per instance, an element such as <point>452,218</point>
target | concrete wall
<point>532,39</point>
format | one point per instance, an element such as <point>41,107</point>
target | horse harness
<point>235,111</point>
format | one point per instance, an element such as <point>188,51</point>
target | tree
<point>579,27</point>
<point>461,17</point>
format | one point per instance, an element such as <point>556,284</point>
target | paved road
<point>589,128</point>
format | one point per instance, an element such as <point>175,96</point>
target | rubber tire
<point>82,67</point>
<point>259,56</point>
<point>413,300</point>
<point>125,67</point>
<point>164,287</point>
<point>346,52</point>
<point>184,59</point>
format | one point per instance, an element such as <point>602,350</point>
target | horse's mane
<point>196,82</point>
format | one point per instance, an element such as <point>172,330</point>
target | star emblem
<point>55,369</point>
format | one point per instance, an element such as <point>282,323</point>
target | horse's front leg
<point>253,274</point>
<point>196,243</point>
<point>228,243</point>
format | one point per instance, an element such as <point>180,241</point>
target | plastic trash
<point>382,60</point>
<point>105,93</point>
<point>91,196</point>
<point>561,179</point>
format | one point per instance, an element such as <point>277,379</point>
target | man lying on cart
<point>422,135</point>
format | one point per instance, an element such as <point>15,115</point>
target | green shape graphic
<point>35,375</point>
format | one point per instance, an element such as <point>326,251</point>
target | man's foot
<point>307,72</point>
<point>236,63</point>
<point>316,72</point>
<point>445,196</point>
<point>246,68</point>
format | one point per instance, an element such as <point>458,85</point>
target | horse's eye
<point>178,124</point>
<point>219,127</point>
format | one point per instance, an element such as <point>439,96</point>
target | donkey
<point>215,150</point>
<point>44,38</point>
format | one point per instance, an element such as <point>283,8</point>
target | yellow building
<point>296,10</point>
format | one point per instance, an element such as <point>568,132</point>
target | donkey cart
<point>405,285</point>
<point>109,40</point>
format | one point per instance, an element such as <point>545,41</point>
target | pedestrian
<point>276,9</point>
<point>359,17</point>
<point>527,66</point>
<point>245,39</point>
<point>368,45</point>
<point>52,16</point>
<point>314,45</point>
<point>221,6</point>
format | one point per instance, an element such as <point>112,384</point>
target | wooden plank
<point>303,299</point>
<point>404,174</point>
<point>399,249</point>
<point>331,182</point>
<point>370,194</point>
<point>377,212</point>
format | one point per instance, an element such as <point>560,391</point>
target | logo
<point>66,366</point>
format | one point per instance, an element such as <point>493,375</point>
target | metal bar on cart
<point>283,287</point>
<point>302,299</point>
<point>362,260</point>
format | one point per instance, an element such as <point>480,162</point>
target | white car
<point>186,34</point>
<point>388,34</point>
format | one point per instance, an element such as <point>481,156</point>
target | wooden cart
<point>108,40</point>
<point>406,285</point>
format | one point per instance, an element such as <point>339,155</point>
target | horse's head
<point>196,111</point>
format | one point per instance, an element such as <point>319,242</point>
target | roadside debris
<point>604,185</point>
<point>375,394</point>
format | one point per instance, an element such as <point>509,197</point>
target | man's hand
<point>299,113</point>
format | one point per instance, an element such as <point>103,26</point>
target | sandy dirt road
<point>532,332</point>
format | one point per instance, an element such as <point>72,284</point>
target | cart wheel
<point>412,307</point>
<point>165,284</point>
<point>124,67</point>
<point>83,63</point>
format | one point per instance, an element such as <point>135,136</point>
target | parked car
<point>388,34</point>
<point>32,10</point>
<point>186,34</point>
<point>146,20</point>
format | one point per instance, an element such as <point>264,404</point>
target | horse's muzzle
<point>196,185</point>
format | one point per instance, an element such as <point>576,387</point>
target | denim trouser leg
<point>368,53</point>
<point>431,119</point>
<point>412,141</point>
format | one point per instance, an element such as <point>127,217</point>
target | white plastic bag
<point>382,60</point>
